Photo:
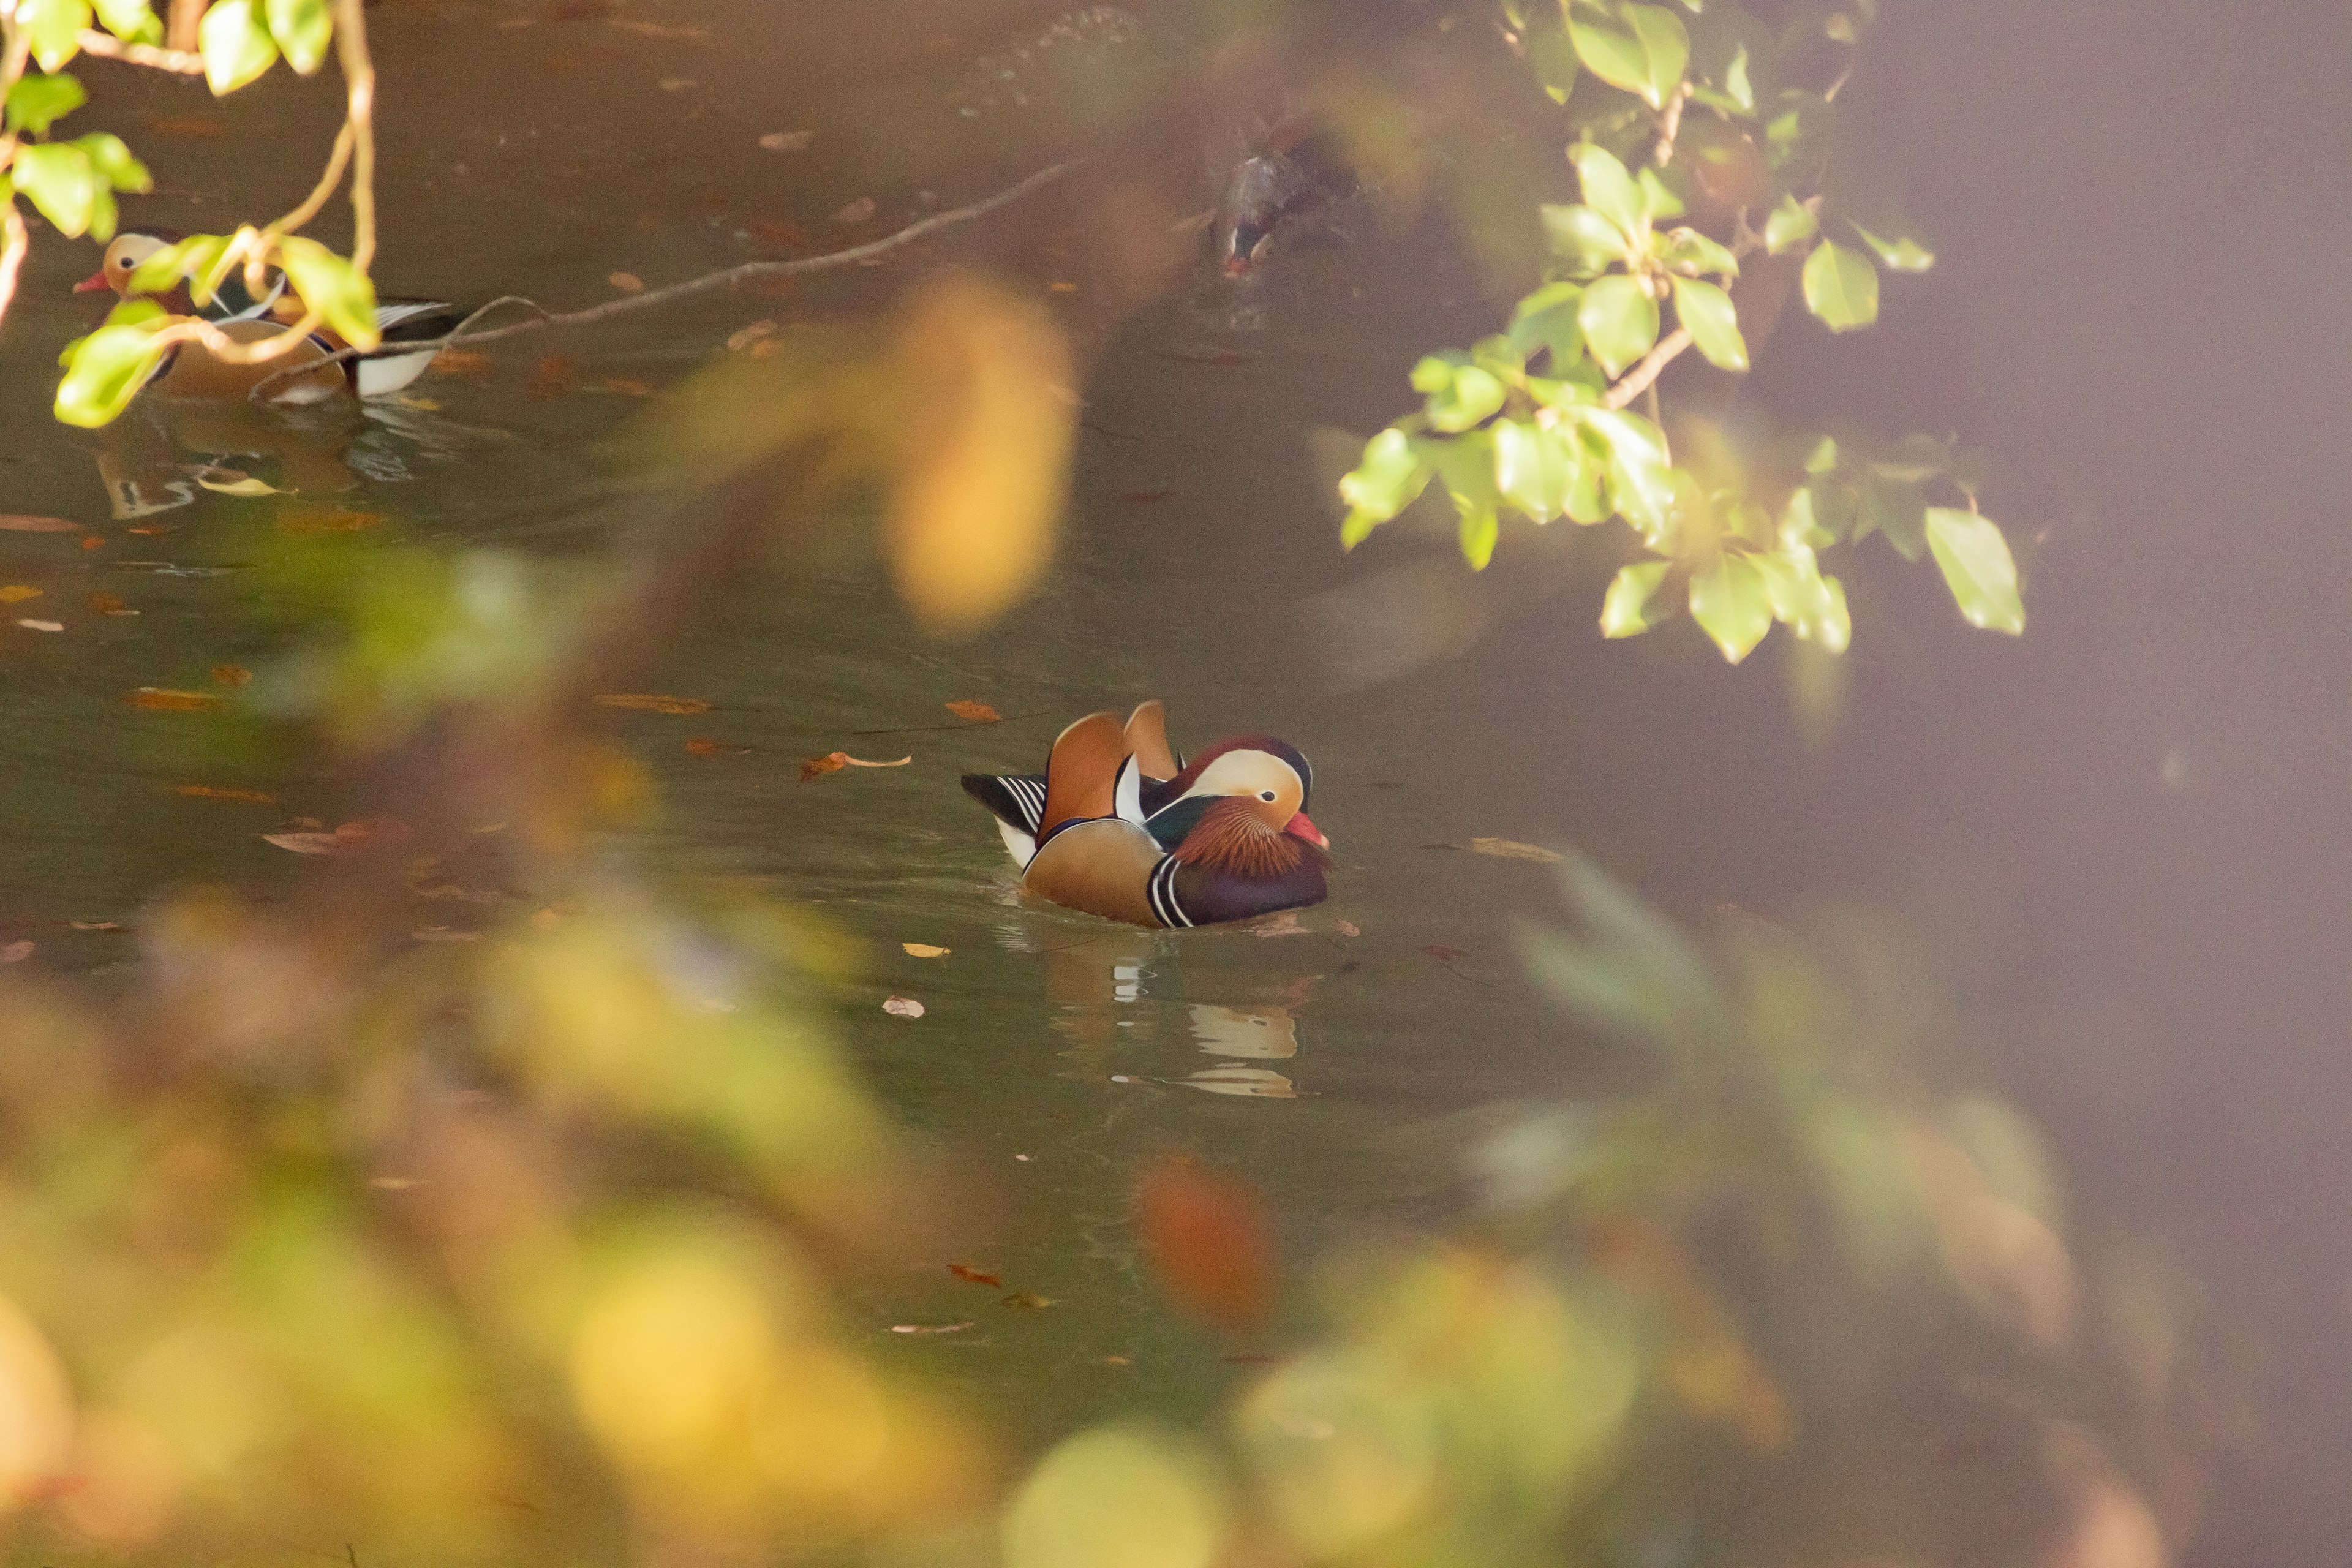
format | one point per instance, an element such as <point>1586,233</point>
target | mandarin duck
<point>1290,167</point>
<point>1118,826</point>
<point>189,372</point>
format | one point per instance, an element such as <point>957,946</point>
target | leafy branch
<point>1708,117</point>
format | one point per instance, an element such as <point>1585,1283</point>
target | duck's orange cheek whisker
<point>1299,826</point>
<point>93,283</point>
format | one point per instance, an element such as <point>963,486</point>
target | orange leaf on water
<point>626,282</point>
<point>1208,1240</point>
<point>978,712</point>
<point>704,746</point>
<point>163,698</point>
<point>849,761</point>
<point>111,604</point>
<point>231,675</point>
<point>216,792</point>
<point>369,832</point>
<point>744,337</point>
<point>965,1272</point>
<point>652,702</point>
<point>817,767</point>
<point>18,522</point>
<point>923,950</point>
<point>18,593</point>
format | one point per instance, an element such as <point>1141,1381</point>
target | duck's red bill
<point>1299,826</point>
<point>93,283</point>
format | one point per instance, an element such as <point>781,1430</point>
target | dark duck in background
<point>1118,826</point>
<point>1282,166</point>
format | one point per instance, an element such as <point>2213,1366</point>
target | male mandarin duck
<point>1118,826</point>
<point>190,371</point>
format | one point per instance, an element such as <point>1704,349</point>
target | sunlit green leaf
<point>1636,600</point>
<point>106,368</point>
<point>1465,466</point>
<point>235,45</point>
<point>1619,321</point>
<point>1977,568</point>
<point>1533,467</point>
<point>1546,320</point>
<point>1714,325</point>
<point>1728,602</point>
<point>40,101</point>
<point>51,26</point>
<point>1802,597</point>
<point>1823,457</point>
<point>1663,192</point>
<point>1792,224</point>
<point>1897,509</point>
<point>1590,475</point>
<point>132,21</point>
<point>1688,251</point>
<point>1729,50</point>
<point>1841,287</point>
<point>114,162</point>
<point>1480,529</point>
<point>1666,43</point>
<point>1640,48</point>
<point>1610,191</point>
<point>1588,243</point>
<point>1387,481</point>
<point>191,257</point>
<point>1553,55</point>
<point>1899,250</point>
<point>1801,525</point>
<point>302,29</point>
<point>333,286</point>
<point>57,179</point>
<point>1460,398</point>
<point>1641,480</point>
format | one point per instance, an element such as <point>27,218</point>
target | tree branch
<point>1636,381</point>
<point>105,46</point>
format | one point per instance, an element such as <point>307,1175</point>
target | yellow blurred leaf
<point>18,593</point>
<point>626,282</point>
<point>923,950</point>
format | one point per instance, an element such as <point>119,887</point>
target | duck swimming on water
<point>188,371</point>
<point>1118,826</point>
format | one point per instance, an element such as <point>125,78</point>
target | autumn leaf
<point>216,792</point>
<point>648,702</point>
<point>923,950</point>
<point>626,282</point>
<point>1346,928</point>
<point>902,1007</point>
<point>859,211</point>
<point>1258,1083</point>
<point>358,837</point>
<point>109,605</point>
<point>162,698</point>
<point>744,337</point>
<point>965,1272</point>
<point>1283,923</point>
<point>18,593</point>
<point>817,767</point>
<point>1208,1240</point>
<point>17,522</point>
<point>704,746</point>
<point>231,675</point>
<point>963,707</point>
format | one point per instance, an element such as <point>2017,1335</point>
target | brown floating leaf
<point>231,675</point>
<point>626,282</point>
<point>304,843</point>
<point>31,625</point>
<point>858,211</point>
<point>150,529</point>
<point>817,767</point>
<point>314,521</point>
<point>651,702</point>
<point>18,522</point>
<point>1141,498</point>
<point>930,1328</point>
<point>18,593</point>
<point>787,141</point>
<point>370,833</point>
<point>978,712</point>
<point>1346,928</point>
<point>1028,1301</point>
<point>965,1272</point>
<point>216,792</point>
<point>1257,1083</point>
<point>1208,1240</point>
<point>111,604</point>
<point>1511,849</point>
<point>15,952</point>
<point>902,1007</point>
<point>459,362</point>
<point>923,950</point>
<point>704,746</point>
<point>163,698</point>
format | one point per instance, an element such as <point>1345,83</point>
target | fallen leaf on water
<point>965,1272</point>
<point>965,708</point>
<point>787,141</point>
<point>163,698</point>
<point>321,521</point>
<point>1258,1083</point>
<point>1443,954</point>
<point>304,843</point>
<point>775,231</point>
<point>1346,928</point>
<point>184,124</point>
<point>923,950</point>
<point>350,839</point>
<point>652,702</point>
<point>902,1007</point>
<point>1512,850</point>
<point>231,675</point>
<point>626,282</point>
<point>229,482</point>
<point>858,211</point>
<point>817,767</point>
<point>744,337</point>
<point>1028,1301</point>
<point>33,626</point>
<point>149,528</point>
<point>1142,497</point>
<point>930,1328</point>
<point>1208,1240</point>
<point>217,792</point>
<point>704,746</point>
<point>682,34</point>
<point>849,760</point>
<point>18,593</point>
<point>91,542</point>
<point>111,604</point>
<point>17,522</point>
<point>95,925</point>
<point>15,952</point>
<point>1282,924</point>
<point>459,362</point>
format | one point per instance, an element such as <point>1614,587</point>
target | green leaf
<point>1977,568</point>
<point>39,102</point>
<point>332,287</point>
<point>302,29</point>
<point>1841,287</point>
<point>1636,599</point>
<point>132,21</point>
<point>1689,251</point>
<point>1546,320</point>
<point>104,370</point>
<point>1728,602</point>
<point>1899,251</point>
<point>1605,41</point>
<point>1619,321</point>
<point>235,45</point>
<point>1589,478</point>
<point>1390,478</point>
<point>1641,480</point>
<point>1659,193</point>
<point>1553,55</point>
<point>1823,457</point>
<point>1465,466</point>
<point>1459,397</point>
<point>114,162</point>
<point>190,257</point>
<point>1729,52</point>
<point>56,178</point>
<point>1802,597</point>
<point>1610,191</point>
<point>1897,509</point>
<point>1480,529</point>
<point>1714,325</point>
<point>1792,224</point>
<point>1589,243</point>
<point>1533,467</point>
<point>52,26</point>
<point>1667,43</point>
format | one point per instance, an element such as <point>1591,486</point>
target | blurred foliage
<point>1716,169</point>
